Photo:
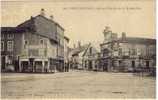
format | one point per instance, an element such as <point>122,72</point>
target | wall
<point>47,49</point>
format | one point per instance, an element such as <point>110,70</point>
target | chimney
<point>42,13</point>
<point>51,17</point>
<point>79,44</point>
<point>31,17</point>
<point>123,36</point>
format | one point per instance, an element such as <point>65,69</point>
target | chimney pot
<point>42,12</point>
<point>51,17</point>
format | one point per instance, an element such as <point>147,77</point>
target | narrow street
<point>77,84</point>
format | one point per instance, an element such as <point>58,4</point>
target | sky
<point>85,21</point>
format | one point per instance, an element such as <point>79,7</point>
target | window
<point>133,51</point>
<point>2,45</point>
<point>10,36</point>
<point>120,51</point>
<point>2,36</point>
<point>41,41</point>
<point>26,42</point>
<point>10,45</point>
<point>90,50</point>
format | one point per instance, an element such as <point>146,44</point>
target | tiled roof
<point>38,25</point>
<point>42,26</point>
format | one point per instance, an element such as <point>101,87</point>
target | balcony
<point>34,51</point>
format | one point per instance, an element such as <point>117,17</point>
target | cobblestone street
<point>77,84</point>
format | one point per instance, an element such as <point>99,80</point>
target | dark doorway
<point>105,64</point>
<point>133,64</point>
<point>147,64</point>
<point>25,65</point>
<point>90,65</point>
<point>16,66</point>
<point>3,62</point>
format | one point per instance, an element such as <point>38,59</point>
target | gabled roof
<point>39,25</point>
<point>80,49</point>
<point>42,26</point>
<point>94,50</point>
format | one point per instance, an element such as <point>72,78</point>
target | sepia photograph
<point>78,49</point>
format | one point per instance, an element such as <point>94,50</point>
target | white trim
<point>24,59</point>
<point>41,59</point>
<point>12,45</point>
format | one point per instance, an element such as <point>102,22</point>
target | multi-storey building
<point>76,56</point>
<point>127,53</point>
<point>91,58</point>
<point>84,57</point>
<point>36,45</point>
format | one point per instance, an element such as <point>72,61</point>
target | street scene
<point>75,50</point>
<point>77,84</point>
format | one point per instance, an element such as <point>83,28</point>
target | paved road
<point>77,84</point>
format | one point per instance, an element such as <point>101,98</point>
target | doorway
<point>3,62</point>
<point>147,64</point>
<point>90,65</point>
<point>133,64</point>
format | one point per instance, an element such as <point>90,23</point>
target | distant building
<point>66,53</point>
<point>36,45</point>
<point>76,56</point>
<point>85,57</point>
<point>127,53</point>
<point>91,58</point>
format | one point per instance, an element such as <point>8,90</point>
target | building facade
<point>66,54</point>
<point>76,56</point>
<point>36,45</point>
<point>91,58</point>
<point>127,53</point>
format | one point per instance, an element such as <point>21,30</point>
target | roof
<point>42,26</point>
<point>39,25</point>
<point>12,30</point>
<point>79,49</point>
<point>134,40</point>
<point>65,37</point>
<point>5,29</point>
<point>94,50</point>
<point>138,40</point>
